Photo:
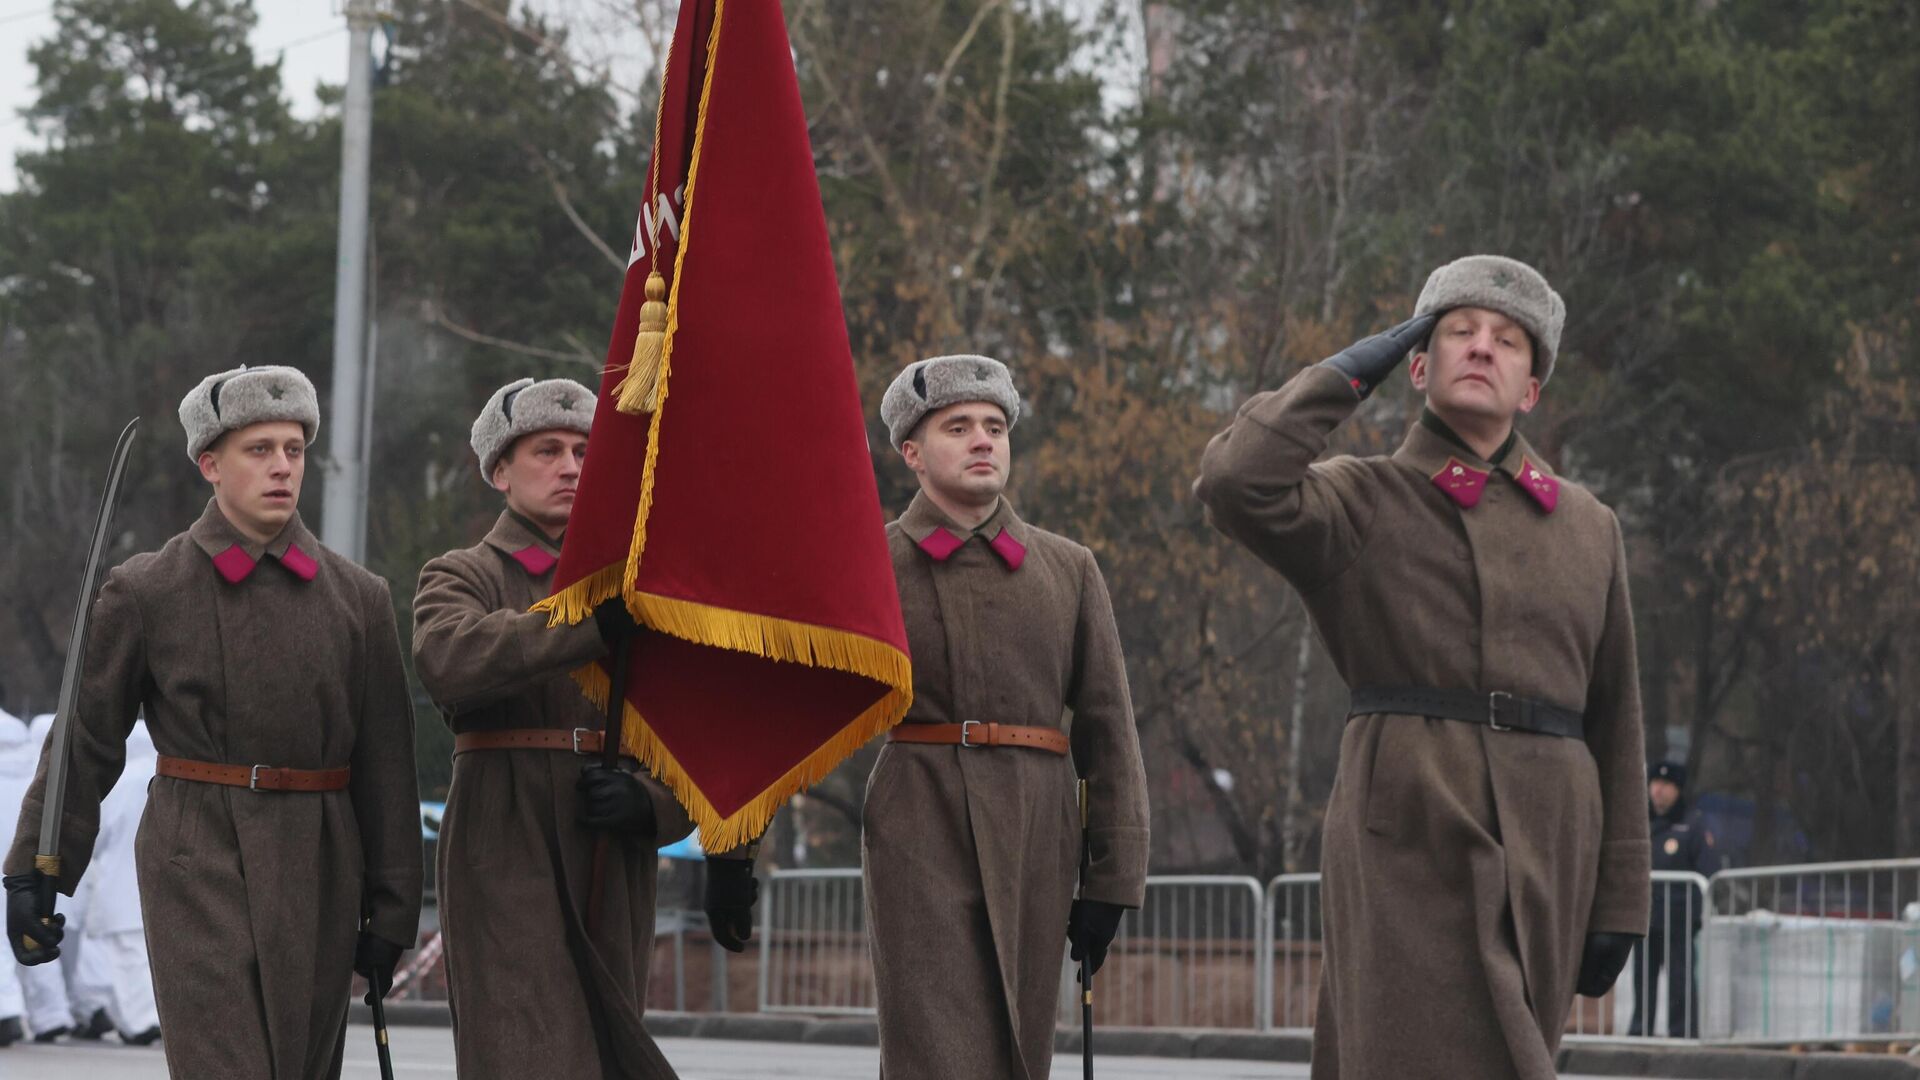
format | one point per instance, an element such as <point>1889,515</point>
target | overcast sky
<point>308,35</point>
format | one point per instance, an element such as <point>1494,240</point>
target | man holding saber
<point>530,799</point>
<point>972,837</point>
<point>281,844</point>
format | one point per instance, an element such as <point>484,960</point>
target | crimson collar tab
<point>536,559</point>
<point>942,542</point>
<point>235,565</point>
<point>1538,483</point>
<point>1465,484</point>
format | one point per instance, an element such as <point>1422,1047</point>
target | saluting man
<point>529,796</point>
<point>1485,847</point>
<point>972,834</point>
<point>280,850</point>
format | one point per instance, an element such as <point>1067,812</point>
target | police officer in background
<point>1681,841</point>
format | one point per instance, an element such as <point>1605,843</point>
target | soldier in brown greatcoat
<point>1485,847</point>
<point>528,798</point>
<point>972,837</point>
<point>280,849</point>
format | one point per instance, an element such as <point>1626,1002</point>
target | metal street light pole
<point>343,522</point>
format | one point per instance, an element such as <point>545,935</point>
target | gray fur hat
<point>940,381</point>
<point>1507,286</point>
<point>523,407</point>
<point>246,395</point>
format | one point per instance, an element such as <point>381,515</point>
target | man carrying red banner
<point>527,802</point>
<point>767,641</point>
<point>972,835</point>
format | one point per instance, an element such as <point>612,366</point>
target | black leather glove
<point>375,957</point>
<point>1367,363</point>
<point>731,892</point>
<point>1602,961</point>
<point>33,929</point>
<point>1090,927</point>
<point>614,800</point>
<point>614,620</point>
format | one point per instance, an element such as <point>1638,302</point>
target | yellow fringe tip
<point>720,833</point>
<point>575,603</point>
<point>640,390</point>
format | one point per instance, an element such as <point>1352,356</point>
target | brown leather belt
<point>978,733</point>
<point>578,740</point>
<point>255,777</point>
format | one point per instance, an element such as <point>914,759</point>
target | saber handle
<point>1086,975</point>
<point>49,894</point>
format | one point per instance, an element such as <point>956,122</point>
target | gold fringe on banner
<point>863,656</point>
<point>761,635</point>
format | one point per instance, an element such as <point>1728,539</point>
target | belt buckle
<point>577,732</point>
<point>964,725</point>
<point>1493,710</point>
<point>253,778</point>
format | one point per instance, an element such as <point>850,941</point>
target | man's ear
<point>910,453</point>
<point>1417,371</point>
<point>209,467</point>
<point>499,480</point>
<point>1532,397</point>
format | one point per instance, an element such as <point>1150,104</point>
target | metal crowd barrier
<point>813,943</point>
<point>1773,954</point>
<point>1820,952</point>
<point>1296,930</point>
<point>1657,996</point>
<point>1189,957</point>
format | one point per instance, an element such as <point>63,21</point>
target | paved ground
<point>428,1053</point>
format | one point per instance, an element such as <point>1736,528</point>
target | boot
<point>145,1038</point>
<point>95,1027</point>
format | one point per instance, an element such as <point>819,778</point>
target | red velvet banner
<point>740,519</point>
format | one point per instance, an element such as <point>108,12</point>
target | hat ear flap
<point>920,381</point>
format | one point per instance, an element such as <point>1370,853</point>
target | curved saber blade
<point>54,800</point>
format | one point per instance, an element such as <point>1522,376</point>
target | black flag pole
<point>622,659</point>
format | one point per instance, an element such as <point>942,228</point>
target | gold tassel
<point>640,390</point>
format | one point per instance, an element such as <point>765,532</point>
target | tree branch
<point>996,150</point>
<point>953,58</point>
<point>566,204</point>
<point>889,189</point>
<point>439,318</point>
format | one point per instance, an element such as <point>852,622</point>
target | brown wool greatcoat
<point>253,899</point>
<point>971,855</point>
<point>531,994</point>
<point>1463,867</point>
